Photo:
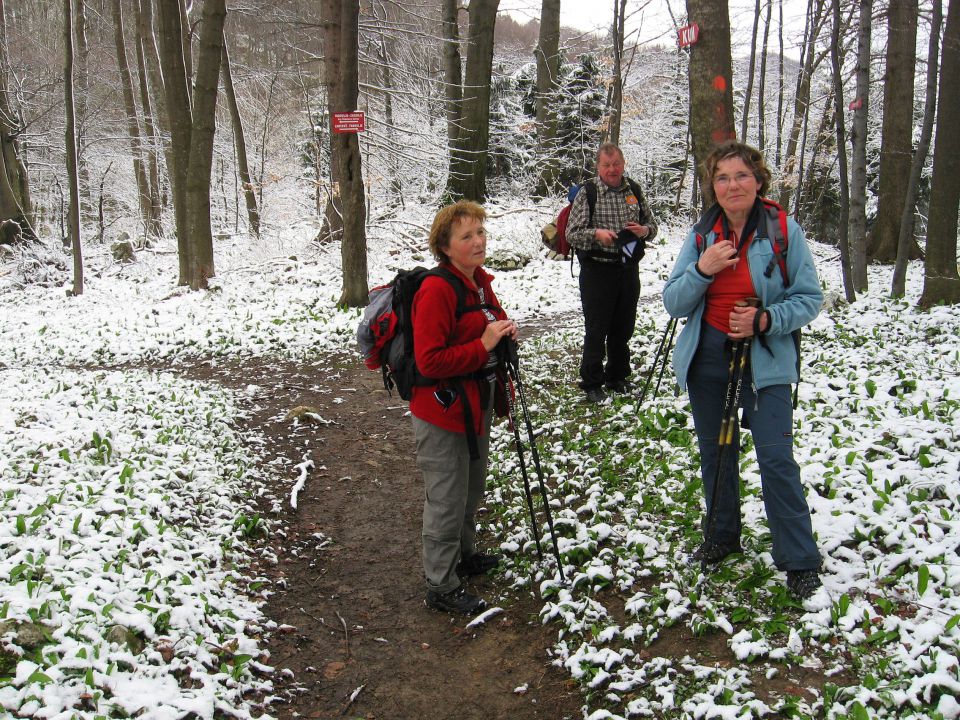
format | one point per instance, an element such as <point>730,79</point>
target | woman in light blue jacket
<point>735,252</point>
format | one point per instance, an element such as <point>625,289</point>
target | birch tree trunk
<point>899,283</point>
<point>941,283</point>
<point>858,139</point>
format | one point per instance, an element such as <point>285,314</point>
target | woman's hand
<point>741,321</point>
<point>495,331</point>
<point>719,256</point>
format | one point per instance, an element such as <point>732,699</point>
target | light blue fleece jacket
<point>684,296</point>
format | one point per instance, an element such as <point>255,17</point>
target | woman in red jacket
<point>451,416</point>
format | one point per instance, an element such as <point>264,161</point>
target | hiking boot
<point>621,387</point>
<point>595,395</point>
<point>456,601</point>
<point>803,583</point>
<point>713,552</point>
<point>478,564</point>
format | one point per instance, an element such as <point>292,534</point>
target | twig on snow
<point>304,468</point>
<point>346,634</point>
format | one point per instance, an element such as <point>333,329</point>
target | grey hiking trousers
<point>453,489</point>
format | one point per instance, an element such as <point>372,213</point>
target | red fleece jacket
<point>447,347</point>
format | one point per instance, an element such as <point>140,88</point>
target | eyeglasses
<point>724,180</point>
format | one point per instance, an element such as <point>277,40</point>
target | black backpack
<point>385,333</point>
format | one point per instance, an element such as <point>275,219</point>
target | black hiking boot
<point>478,564</point>
<point>456,601</point>
<point>620,387</point>
<point>803,583</point>
<point>595,396</point>
<point>713,552</point>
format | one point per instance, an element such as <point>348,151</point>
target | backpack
<point>774,218</point>
<point>554,234</point>
<point>385,332</point>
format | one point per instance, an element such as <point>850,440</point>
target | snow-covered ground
<point>126,494</point>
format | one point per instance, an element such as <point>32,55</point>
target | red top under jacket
<point>448,347</point>
<point>728,286</point>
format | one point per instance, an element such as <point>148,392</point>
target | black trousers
<point>609,293</point>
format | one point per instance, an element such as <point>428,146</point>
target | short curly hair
<point>750,156</point>
<point>443,224</point>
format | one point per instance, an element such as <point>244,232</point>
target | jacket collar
<point>480,276</point>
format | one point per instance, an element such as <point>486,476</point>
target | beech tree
<point>858,138</point>
<point>548,84</point>
<point>70,149</point>
<point>896,145</point>
<point>192,127</point>
<point>468,153</point>
<point>941,283</point>
<point>240,144</point>
<point>15,199</point>
<point>710,78</point>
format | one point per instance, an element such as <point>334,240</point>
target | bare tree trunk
<point>353,246</point>
<point>452,69</point>
<point>841,156</point>
<point>240,143</point>
<point>858,139</point>
<point>155,225</point>
<point>333,212</point>
<point>70,148</point>
<point>791,174</point>
<point>744,119</point>
<point>941,283</point>
<point>133,123</point>
<point>468,158</point>
<point>615,95</point>
<point>548,74</point>
<point>180,120</point>
<point>780,86</point>
<point>15,201</point>
<point>206,85</point>
<point>899,283</point>
<point>81,93</point>
<point>710,78</point>
<point>896,142</point>
<point>761,91</point>
<point>187,36</point>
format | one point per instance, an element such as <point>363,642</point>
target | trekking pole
<point>660,355</point>
<point>511,411</point>
<point>739,358</point>
<point>513,368</point>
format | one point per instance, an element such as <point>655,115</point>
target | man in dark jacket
<point>609,281</point>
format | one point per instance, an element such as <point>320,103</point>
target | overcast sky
<point>654,22</point>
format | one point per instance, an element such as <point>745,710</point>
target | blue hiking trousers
<point>769,414</point>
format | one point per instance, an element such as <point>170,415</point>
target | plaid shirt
<point>613,212</point>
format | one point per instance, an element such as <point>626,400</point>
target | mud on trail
<point>354,636</point>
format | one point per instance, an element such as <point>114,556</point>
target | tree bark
<point>15,201</point>
<point>809,62</point>
<point>745,118</point>
<point>615,96</point>
<point>899,282</point>
<point>452,68</point>
<point>941,283</point>
<point>468,158</point>
<point>133,122</point>
<point>858,139</point>
<point>332,229</point>
<point>81,92</point>
<point>548,74</point>
<point>710,78</point>
<point>202,134</point>
<point>896,142</point>
<point>240,144</point>
<point>180,122</point>
<point>761,90</point>
<point>841,156</point>
<point>152,141</point>
<point>353,246</point>
<point>70,147</point>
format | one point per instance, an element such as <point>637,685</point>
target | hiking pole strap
<point>468,425</point>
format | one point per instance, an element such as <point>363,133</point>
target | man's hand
<point>641,231</point>
<point>605,237</point>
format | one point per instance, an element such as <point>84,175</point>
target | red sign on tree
<point>688,34</point>
<point>856,104</point>
<point>349,122</point>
